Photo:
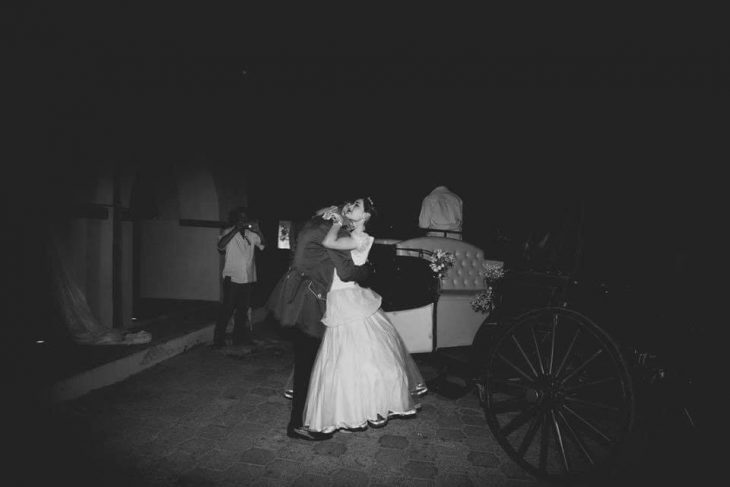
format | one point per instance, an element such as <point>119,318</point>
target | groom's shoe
<point>302,433</point>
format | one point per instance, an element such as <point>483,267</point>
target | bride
<point>363,373</point>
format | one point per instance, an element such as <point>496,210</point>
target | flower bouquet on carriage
<point>491,273</point>
<point>441,262</point>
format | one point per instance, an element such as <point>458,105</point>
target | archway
<point>174,226</point>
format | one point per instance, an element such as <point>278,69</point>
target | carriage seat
<point>456,321</point>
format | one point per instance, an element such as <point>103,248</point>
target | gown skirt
<point>363,371</point>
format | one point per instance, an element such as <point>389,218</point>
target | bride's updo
<point>369,207</point>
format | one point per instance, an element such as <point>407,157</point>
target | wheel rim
<point>557,394</point>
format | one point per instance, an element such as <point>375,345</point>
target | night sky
<point>522,122</point>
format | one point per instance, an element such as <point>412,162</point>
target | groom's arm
<point>346,268</point>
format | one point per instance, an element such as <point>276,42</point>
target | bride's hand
<point>331,214</point>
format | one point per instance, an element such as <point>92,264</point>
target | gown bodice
<point>359,257</point>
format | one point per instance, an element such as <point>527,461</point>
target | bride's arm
<point>331,241</point>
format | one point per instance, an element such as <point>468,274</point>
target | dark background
<point>526,115</point>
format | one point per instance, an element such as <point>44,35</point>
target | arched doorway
<point>174,266</point>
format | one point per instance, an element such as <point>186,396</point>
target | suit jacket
<point>300,298</point>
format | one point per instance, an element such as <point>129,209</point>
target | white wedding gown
<point>363,371</point>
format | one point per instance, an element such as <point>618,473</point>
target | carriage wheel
<point>557,394</point>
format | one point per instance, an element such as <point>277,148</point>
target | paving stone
<point>391,458</point>
<point>236,443</point>
<point>349,478</point>
<point>228,418</point>
<point>249,400</point>
<point>213,431</point>
<point>454,480</point>
<point>199,477</point>
<point>296,451</point>
<point>513,471</point>
<point>248,429</point>
<point>470,401</point>
<point>219,460</point>
<point>488,477</point>
<point>364,461</point>
<point>393,441</point>
<point>284,469</point>
<point>234,392</point>
<point>474,419</point>
<point>421,470</point>
<point>483,459</point>
<point>449,449</point>
<point>273,440</point>
<point>263,391</point>
<point>528,483</point>
<point>476,431</point>
<point>323,465</point>
<point>311,480</point>
<point>331,448</point>
<point>422,453</point>
<point>155,431</point>
<point>244,473</point>
<point>450,421</point>
<point>268,413</point>
<point>198,446</point>
<point>177,463</point>
<point>479,443</point>
<point>257,456</point>
<point>428,409</point>
<point>450,434</point>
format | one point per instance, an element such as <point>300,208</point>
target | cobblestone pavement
<point>209,417</point>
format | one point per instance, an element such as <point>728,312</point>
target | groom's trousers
<point>305,352</point>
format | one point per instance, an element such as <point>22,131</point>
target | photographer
<point>238,241</point>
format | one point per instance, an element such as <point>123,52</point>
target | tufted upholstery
<point>464,275</point>
<point>456,322</point>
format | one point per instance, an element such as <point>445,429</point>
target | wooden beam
<point>203,223</point>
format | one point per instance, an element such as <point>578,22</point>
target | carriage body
<point>554,363</point>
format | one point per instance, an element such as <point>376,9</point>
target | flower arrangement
<point>484,301</point>
<point>491,272</point>
<point>441,262</point>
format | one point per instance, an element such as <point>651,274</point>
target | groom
<point>304,295</point>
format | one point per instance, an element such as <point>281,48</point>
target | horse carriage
<point>560,393</point>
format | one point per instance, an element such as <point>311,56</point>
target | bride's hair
<point>369,207</point>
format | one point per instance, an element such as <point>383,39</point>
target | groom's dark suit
<point>299,300</point>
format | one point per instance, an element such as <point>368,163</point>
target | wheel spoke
<point>537,350</point>
<point>544,443</point>
<point>567,352</point>
<point>581,366</point>
<point>519,420</point>
<point>552,343</point>
<point>591,427</point>
<point>557,375</point>
<point>590,384</point>
<point>592,404</point>
<point>524,355</point>
<point>559,441</point>
<point>576,439</point>
<point>529,436</point>
<point>516,368</point>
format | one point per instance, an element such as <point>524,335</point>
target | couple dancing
<point>351,368</point>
